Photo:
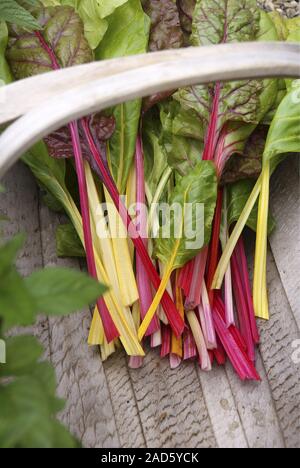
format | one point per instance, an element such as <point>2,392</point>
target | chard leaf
<point>179,121</point>
<point>165,34</point>
<point>284,135</point>
<point>238,194</point>
<point>127,34</point>
<point>186,10</point>
<point>48,171</point>
<point>27,57</point>
<point>93,14</point>
<point>229,112</point>
<point>280,25</point>
<point>68,243</point>
<point>60,146</point>
<point>223,21</point>
<point>199,186</point>
<point>155,158</point>
<point>249,164</point>
<point>59,291</point>
<point>183,153</point>
<point>12,12</point>
<point>5,75</point>
<point>281,92</point>
<point>165,25</point>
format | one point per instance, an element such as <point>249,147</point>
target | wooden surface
<point>111,405</point>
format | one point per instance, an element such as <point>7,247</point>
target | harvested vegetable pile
<point>158,192</point>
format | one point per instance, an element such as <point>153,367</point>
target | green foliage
<point>94,15</point>
<point>199,186</point>
<point>27,385</point>
<point>62,31</point>
<point>12,11</point>
<point>68,243</point>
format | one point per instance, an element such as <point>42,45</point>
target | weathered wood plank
<point>171,405</point>
<point>285,241</point>
<point>255,405</point>
<point>80,374</point>
<point>124,401</point>
<point>277,337</point>
<point>225,418</point>
<point>20,204</point>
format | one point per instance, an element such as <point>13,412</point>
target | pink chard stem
<point>110,329</point>
<point>242,306</point>
<point>144,286</point>
<point>194,296</point>
<point>247,288</point>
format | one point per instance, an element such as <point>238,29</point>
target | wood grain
<point>285,241</point>
<point>128,421</point>
<point>171,405</point>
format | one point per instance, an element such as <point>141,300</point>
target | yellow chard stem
<point>128,288</point>
<point>236,234</point>
<point>160,292</point>
<point>176,343</point>
<point>128,337</point>
<point>96,335</point>
<point>260,267</point>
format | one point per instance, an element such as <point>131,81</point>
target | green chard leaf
<point>68,243</point>
<point>197,187</point>
<point>238,195</point>
<point>284,133</point>
<point>5,75</point>
<point>155,158</point>
<point>127,34</point>
<point>249,164</point>
<point>93,14</point>
<point>12,12</point>
<point>186,10</point>
<point>49,172</point>
<point>27,57</point>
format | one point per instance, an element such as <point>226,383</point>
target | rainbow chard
<point>173,248</point>
<point>228,112</point>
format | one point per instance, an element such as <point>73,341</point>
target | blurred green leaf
<point>59,291</point>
